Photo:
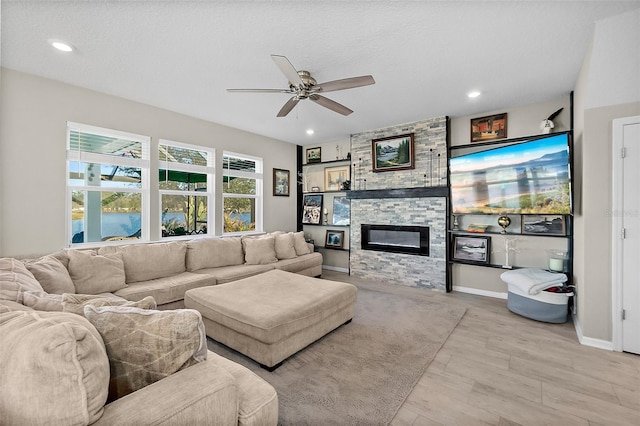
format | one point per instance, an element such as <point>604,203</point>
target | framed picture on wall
<point>312,209</point>
<point>341,211</point>
<point>471,249</point>
<point>334,239</point>
<point>393,153</point>
<point>335,177</point>
<point>543,225</point>
<point>281,184</point>
<point>314,155</point>
<point>489,128</point>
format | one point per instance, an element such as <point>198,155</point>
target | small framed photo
<point>471,249</point>
<point>335,177</point>
<point>312,209</point>
<point>314,155</point>
<point>393,153</point>
<point>281,182</point>
<point>543,225</point>
<point>334,239</point>
<point>491,127</point>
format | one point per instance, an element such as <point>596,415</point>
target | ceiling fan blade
<point>345,83</point>
<point>286,109</point>
<point>260,90</point>
<point>288,70</point>
<point>332,105</point>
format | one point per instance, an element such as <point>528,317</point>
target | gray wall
<point>34,113</point>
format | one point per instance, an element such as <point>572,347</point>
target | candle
<point>556,264</point>
<point>325,210</point>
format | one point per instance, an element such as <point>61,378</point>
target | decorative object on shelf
<point>334,177</point>
<point>341,211</point>
<point>338,152</point>
<point>281,184</point>
<point>509,247</point>
<point>315,189</point>
<point>456,225</point>
<point>477,227</point>
<point>311,209</point>
<point>504,221</point>
<point>543,225</point>
<point>558,260</point>
<point>393,153</point>
<point>547,125</point>
<point>489,128</point>
<point>334,239</point>
<point>471,249</point>
<point>304,179</point>
<point>314,155</point>
<point>346,185</point>
<point>325,215</point>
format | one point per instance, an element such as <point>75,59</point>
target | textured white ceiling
<point>424,55</point>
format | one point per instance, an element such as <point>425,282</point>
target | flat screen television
<point>531,176</point>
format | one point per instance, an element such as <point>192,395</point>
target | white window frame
<point>259,178</point>
<point>89,157</point>
<point>209,170</point>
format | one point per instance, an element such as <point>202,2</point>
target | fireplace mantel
<point>433,191</point>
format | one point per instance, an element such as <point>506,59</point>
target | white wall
<point>608,87</point>
<point>34,112</point>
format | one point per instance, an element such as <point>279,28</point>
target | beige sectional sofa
<point>127,290</point>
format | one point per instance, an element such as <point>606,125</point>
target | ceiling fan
<point>303,86</point>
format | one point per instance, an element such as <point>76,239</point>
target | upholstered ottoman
<point>271,316</point>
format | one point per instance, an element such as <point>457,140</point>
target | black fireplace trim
<point>423,250</point>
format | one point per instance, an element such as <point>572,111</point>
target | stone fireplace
<point>413,201</point>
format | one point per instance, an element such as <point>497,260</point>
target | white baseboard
<point>335,268</point>
<point>494,294</point>
<point>589,341</point>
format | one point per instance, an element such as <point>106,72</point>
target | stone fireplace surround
<point>415,197</point>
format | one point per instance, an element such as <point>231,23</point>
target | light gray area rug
<point>361,373</point>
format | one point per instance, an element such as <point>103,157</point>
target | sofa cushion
<point>300,263</point>
<point>11,306</point>
<point>15,279</point>
<point>93,273</point>
<point>75,303</point>
<point>259,251</point>
<point>144,262</point>
<point>300,244</point>
<point>54,369</point>
<point>41,301</point>
<point>284,246</point>
<point>225,274</point>
<point>167,289</point>
<point>145,346</point>
<point>52,275</point>
<point>214,252</point>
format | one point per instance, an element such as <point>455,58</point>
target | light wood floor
<point>498,368</point>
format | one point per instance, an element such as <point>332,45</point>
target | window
<point>186,177</point>
<point>107,185</point>
<point>242,193</point>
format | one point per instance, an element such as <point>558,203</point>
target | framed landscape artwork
<point>281,182</point>
<point>335,177</point>
<point>341,211</point>
<point>312,209</point>
<point>489,128</point>
<point>543,225</point>
<point>471,249</point>
<point>393,153</point>
<point>314,155</point>
<point>334,239</point>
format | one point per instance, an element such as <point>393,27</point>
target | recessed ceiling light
<point>473,94</point>
<point>60,45</point>
<point>310,131</point>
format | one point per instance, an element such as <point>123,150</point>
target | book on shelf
<point>480,228</point>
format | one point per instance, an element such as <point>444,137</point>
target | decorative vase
<point>504,222</point>
<point>456,225</point>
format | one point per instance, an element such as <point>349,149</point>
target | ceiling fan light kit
<point>303,86</point>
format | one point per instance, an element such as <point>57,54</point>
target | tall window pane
<point>242,186</point>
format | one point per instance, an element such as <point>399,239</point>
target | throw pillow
<point>259,251</point>
<point>144,262</point>
<point>145,346</point>
<point>284,245</point>
<point>93,274</point>
<point>300,244</point>
<point>214,252</point>
<point>55,369</point>
<point>75,303</point>
<point>52,275</point>
<point>15,279</point>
